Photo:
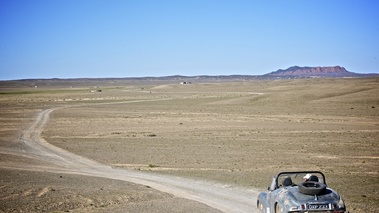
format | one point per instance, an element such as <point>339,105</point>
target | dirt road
<point>221,197</point>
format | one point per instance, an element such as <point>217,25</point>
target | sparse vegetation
<point>238,133</point>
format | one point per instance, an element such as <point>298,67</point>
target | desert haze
<point>161,146</point>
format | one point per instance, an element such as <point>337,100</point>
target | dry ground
<point>239,133</point>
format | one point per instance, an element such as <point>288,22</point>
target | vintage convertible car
<point>304,191</point>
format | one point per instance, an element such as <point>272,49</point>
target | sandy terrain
<point>143,146</point>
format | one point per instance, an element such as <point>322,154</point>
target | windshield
<point>298,177</point>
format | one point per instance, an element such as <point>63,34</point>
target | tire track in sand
<point>221,197</point>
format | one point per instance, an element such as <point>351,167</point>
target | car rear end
<point>327,203</point>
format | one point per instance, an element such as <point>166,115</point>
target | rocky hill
<point>292,72</point>
<point>306,72</point>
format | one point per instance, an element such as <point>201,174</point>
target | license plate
<point>318,206</point>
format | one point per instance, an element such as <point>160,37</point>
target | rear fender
<point>262,202</point>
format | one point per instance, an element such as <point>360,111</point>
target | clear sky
<point>135,38</point>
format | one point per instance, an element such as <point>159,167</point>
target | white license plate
<point>318,206</point>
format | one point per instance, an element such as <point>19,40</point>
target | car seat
<point>313,178</point>
<point>287,181</point>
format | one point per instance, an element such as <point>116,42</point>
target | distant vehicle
<point>304,191</point>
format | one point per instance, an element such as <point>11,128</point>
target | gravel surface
<point>184,192</point>
<point>202,147</point>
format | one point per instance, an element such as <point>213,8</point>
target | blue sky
<point>134,38</point>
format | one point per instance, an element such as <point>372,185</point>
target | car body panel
<point>291,199</point>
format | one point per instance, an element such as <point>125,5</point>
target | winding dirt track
<point>221,197</point>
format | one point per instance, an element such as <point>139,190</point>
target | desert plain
<point>234,133</point>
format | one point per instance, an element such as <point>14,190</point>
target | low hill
<point>292,72</point>
<point>306,72</point>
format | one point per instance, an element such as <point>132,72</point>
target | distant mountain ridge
<point>306,72</point>
<point>289,73</point>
